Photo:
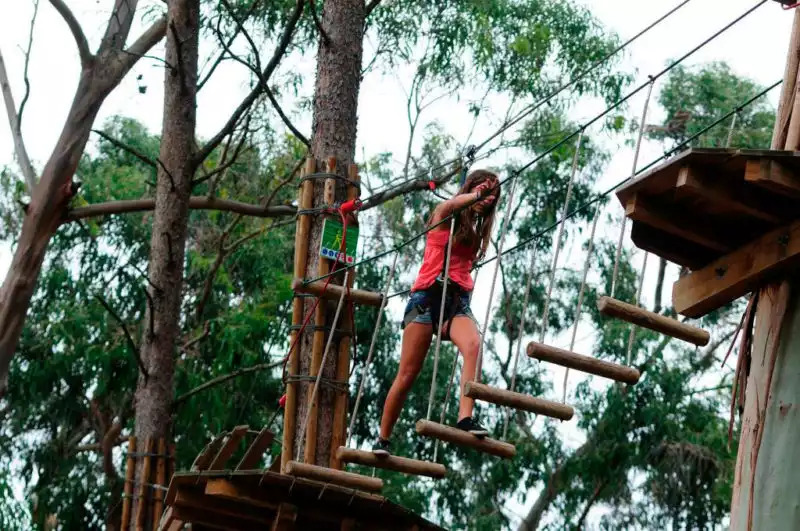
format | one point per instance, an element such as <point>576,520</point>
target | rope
<point>336,385</point>
<point>368,361</point>
<point>560,236</point>
<point>731,130</point>
<point>446,403</point>
<point>525,300</point>
<point>441,318</point>
<point>633,174</point>
<point>322,364</point>
<point>581,293</point>
<point>503,232</point>
<point>636,302</point>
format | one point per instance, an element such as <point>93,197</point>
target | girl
<point>474,208</point>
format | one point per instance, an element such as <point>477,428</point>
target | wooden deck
<point>701,208</point>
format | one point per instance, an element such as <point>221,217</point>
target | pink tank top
<point>433,262</point>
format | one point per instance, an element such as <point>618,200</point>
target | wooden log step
<point>463,438</point>
<point>502,397</point>
<point>392,462</point>
<point>653,321</point>
<point>582,363</point>
<point>333,292</point>
<point>337,477</point>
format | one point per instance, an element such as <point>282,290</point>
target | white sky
<point>756,48</point>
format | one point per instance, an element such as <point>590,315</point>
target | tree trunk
<point>765,483</point>
<point>50,198</point>
<point>333,135</point>
<point>154,391</point>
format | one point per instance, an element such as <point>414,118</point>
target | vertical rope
<point>633,174</point>
<point>525,302</point>
<point>500,243</point>
<point>441,318</point>
<point>565,212</point>
<point>322,363</point>
<point>636,302</point>
<point>732,130</point>
<point>368,362</point>
<point>586,266</point>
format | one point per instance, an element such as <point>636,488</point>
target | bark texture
<point>154,391</point>
<point>51,196</point>
<point>334,135</point>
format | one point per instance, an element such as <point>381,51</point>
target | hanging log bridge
<point>732,217</point>
<point>248,496</point>
<point>579,362</point>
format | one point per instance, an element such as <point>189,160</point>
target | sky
<point>755,48</point>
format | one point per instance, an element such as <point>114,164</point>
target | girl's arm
<point>446,208</point>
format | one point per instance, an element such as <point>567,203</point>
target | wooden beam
<point>692,183</point>
<point>285,519</point>
<point>161,478</point>
<point>392,462</point>
<point>227,450</point>
<point>639,209</point>
<point>205,457</point>
<point>502,397</point>
<point>773,176</point>
<point>317,351</point>
<point>255,452</point>
<point>670,247</point>
<point>337,477</point>
<point>653,321</point>
<point>225,488</point>
<point>454,435</point>
<point>738,273</point>
<point>130,470</point>
<point>144,486</point>
<point>334,292</point>
<point>579,362</point>
<point>219,513</point>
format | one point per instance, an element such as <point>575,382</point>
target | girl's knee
<point>470,348</point>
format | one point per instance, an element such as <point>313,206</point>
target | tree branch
<point>268,201</point>
<point>224,378</point>
<point>125,59</point>
<point>410,186</point>
<point>195,203</point>
<point>370,7</point>
<point>318,23</point>
<point>248,101</point>
<point>119,25</point>
<point>77,32</point>
<point>277,106</point>
<point>125,147</point>
<point>25,77</point>
<point>128,338</point>
<point>595,495</point>
<point>16,133</point>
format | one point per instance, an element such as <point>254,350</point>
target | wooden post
<point>127,497</point>
<point>765,484</point>
<point>144,486</point>
<point>341,401</point>
<point>306,195</point>
<point>337,477</point>
<point>161,478</point>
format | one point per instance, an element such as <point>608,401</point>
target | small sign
<point>332,242</point>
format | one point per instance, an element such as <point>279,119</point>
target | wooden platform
<point>727,215</point>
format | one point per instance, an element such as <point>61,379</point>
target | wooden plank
<point>255,452</point>
<point>463,438</point>
<point>773,176</point>
<point>168,522</point>
<point>640,209</point>
<point>691,182</point>
<point>144,487</point>
<point>503,397</point>
<point>674,249</point>
<point>205,457</point>
<point>738,273</point>
<point>582,363</point>
<point>653,321</point>
<point>300,262</point>
<point>220,513</point>
<point>334,292</point>
<point>392,462</point>
<point>161,478</point>
<point>130,470</point>
<point>227,449</point>
<point>286,518</point>
<point>225,488</point>
<point>337,477</point>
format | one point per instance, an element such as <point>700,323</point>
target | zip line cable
<point>553,148</point>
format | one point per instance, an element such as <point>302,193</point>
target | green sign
<point>332,242</point>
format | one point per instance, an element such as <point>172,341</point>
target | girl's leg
<point>416,341</point>
<point>464,333</point>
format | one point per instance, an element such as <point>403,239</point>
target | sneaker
<point>381,448</point>
<point>472,426</point>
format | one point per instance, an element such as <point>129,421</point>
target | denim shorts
<point>428,304</point>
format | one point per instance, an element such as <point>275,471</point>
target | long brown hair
<point>474,229</point>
